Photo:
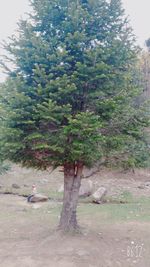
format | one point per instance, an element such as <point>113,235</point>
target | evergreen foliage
<point>71,96</point>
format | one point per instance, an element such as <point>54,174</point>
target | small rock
<point>147,183</point>
<point>1,186</point>
<point>37,198</point>
<point>15,186</point>
<point>141,187</point>
<point>99,195</point>
<point>25,185</point>
<point>36,206</point>
<point>86,188</point>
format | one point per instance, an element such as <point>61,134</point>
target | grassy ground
<point>114,234</point>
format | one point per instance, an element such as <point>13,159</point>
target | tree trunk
<point>72,182</point>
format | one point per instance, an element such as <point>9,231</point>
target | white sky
<point>139,13</point>
<point>138,10</point>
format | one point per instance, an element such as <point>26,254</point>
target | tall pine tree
<point>69,100</point>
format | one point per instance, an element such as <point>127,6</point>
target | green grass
<point>122,208</point>
<point>136,210</point>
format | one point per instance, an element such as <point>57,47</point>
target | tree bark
<point>72,182</point>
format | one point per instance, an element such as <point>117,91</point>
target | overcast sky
<point>138,11</point>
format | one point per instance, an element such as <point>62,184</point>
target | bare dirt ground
<point>113,234</point>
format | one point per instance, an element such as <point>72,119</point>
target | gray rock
<point>141,187</point>
<point>37,198</point>
<point>86,188</point>
<point>99,195</point>
<point>147,184</point>
<point>15,186</point>
<point>25,185</point>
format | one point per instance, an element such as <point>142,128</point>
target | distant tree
<point>70,99</point>
<point>144,68</point>
<point>142,77</point>
<point>147,42</point>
